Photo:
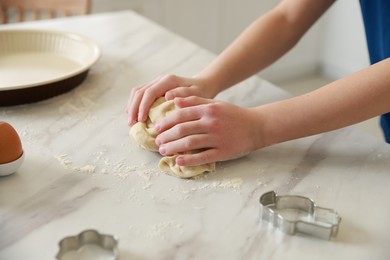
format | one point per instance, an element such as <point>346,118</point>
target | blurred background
<point>334,47</point>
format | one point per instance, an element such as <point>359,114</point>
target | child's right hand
<point>171,86</point>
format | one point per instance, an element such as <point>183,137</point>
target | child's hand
<point>170,86</point>
<point>221,131</point>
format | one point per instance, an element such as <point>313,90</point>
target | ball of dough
<point>168,165</point>
<point>145,135</point>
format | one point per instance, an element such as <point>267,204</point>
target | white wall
<point>213,24</point>
<point>344,48</point>
<point>335,45</point>
<point>302,60</point>
<point>149,8</point>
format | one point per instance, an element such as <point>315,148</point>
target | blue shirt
<point>376,17</point>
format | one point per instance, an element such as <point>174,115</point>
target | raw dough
<point>145,135</point>
<point>168,165</point>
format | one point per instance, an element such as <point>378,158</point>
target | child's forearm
<point>350,100</point>
<point>263,42</point>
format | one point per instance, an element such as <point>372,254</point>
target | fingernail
<point>180,160</point>
<point>157,141</point>
<point>157,127</point>
<point>162,149</point>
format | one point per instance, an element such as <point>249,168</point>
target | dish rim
<point>93,46</point>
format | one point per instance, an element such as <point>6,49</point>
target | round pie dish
<point>39,64</point>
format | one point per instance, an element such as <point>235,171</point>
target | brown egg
<point>10,144</point>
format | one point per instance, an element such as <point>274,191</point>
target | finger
<point>134,101</point>
<point>181,130</point>
<point>145,102</point>
<point>177,117</point>
<point>157,89</point>
<point>183,102</point>
<point>182,92</point>
<point>187,144</point>
<point>195,159</point>
<point>133,104</point>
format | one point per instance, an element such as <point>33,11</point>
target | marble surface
<point>82,171</point>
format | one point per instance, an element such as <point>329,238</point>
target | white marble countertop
<point>82,171</point>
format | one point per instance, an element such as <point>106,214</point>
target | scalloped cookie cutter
<point>319,222</point>
<point>88,237</point>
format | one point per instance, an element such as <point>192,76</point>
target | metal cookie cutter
<point>318,222</point>
<point>88,237</point>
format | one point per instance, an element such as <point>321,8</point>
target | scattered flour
<point>234,183</point>
<point>144,175</point>
<point>118,169</point>
<point>147,186</point>
<point>122,175</point>
<point>160,229</point>
<point>65,162</point>
<point>86,169</point>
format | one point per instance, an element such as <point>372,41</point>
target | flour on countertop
<point>122,175</point>
<point>65,162</point>
<point>144,175</point>
<point>234,183</point>
<point>160,229</point>
<point>86,169</point>
<point>117,168</point>
<point>121,170</point>
<point>147,186</point>
<point>30,137</point>
<point>79,108</point>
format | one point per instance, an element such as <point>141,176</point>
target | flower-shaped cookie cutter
<point>320,222</point>
<point>88,237</point>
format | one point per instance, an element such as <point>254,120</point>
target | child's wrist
<point>210,85</point>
